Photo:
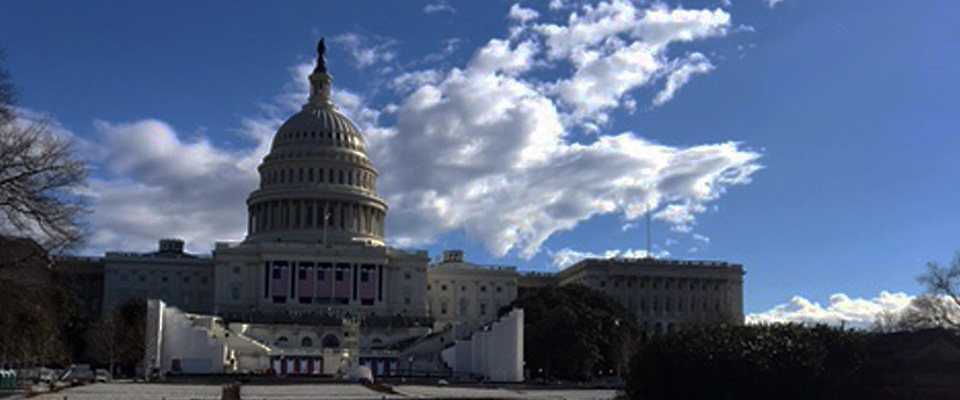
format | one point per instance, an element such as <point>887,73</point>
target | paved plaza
<point>143,391</point>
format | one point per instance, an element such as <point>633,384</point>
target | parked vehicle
<point>78,373</point>
<point>46,375</point>
<point>102,376</point>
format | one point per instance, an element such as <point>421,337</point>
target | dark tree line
<point>575,333</point>
<point>787,361</point>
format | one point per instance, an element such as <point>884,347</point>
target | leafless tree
<point>7,94</point>
<point>938,308</point>
<point>943,286</point>
<point>40,178</point>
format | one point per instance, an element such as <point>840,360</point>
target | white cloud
<point>841,309</point>
<point>498,56</point>
<point>367,51</point>
<point>773,3</point>
<point>522,14</point>
<point>154,184</point>
<point>449,47</point>
<point>438,7</point>
<point>700,238</point>
<point>567,257</point>
<point>483,148</point>
<point>616,47</point>
<point>695,63</point>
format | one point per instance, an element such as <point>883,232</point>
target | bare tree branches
<point>7,95</point>
<point>40,178</point>
<point>938,308</point>
<point>39,185</point>
<point>943,281</point>
<point>942,304</point>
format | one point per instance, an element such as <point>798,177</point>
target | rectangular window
<point>321,274</point>
<point>276,273</point>
<point>364,276</point>
<point>338,276</point>
<point>302,274</point>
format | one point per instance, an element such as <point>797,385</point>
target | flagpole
<point>649,255</point>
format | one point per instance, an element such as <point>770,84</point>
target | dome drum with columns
<point>317,184</point>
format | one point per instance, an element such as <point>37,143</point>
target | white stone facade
<point>180,279</point>
<point>666,295</point>
<point>462,292</point>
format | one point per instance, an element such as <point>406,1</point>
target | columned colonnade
<point>309,214</point>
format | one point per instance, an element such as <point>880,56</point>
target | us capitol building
<point>313,288</point>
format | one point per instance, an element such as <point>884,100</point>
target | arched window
<point>281,341</point>
<point>330,341</point>
<point>306,342</point>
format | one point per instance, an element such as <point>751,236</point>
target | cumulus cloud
<point>617,47</point>
<point>485,148</point>
<point>522,14</point>
<point>439,7</point>
<point>154,183</point>
<point>567,257</point>
<point>695,63</point>
<point>840,309</point>
<point>365,50</point>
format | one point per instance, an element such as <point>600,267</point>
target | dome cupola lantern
<point>317,183</point>
<point>320,81</point>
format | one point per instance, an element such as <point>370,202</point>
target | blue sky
<point>813,141</point>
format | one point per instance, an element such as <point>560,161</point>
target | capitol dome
<point>317,183</point>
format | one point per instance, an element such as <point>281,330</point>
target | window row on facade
<point>339,176</point>
<point>185,279</point>
<point>311,214</point>
<point>441,308</point>
<point>308,282</point>
<point>670,305</point>
<point>337,138</point>
<point>465,288</point>
<point>656,283</point>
